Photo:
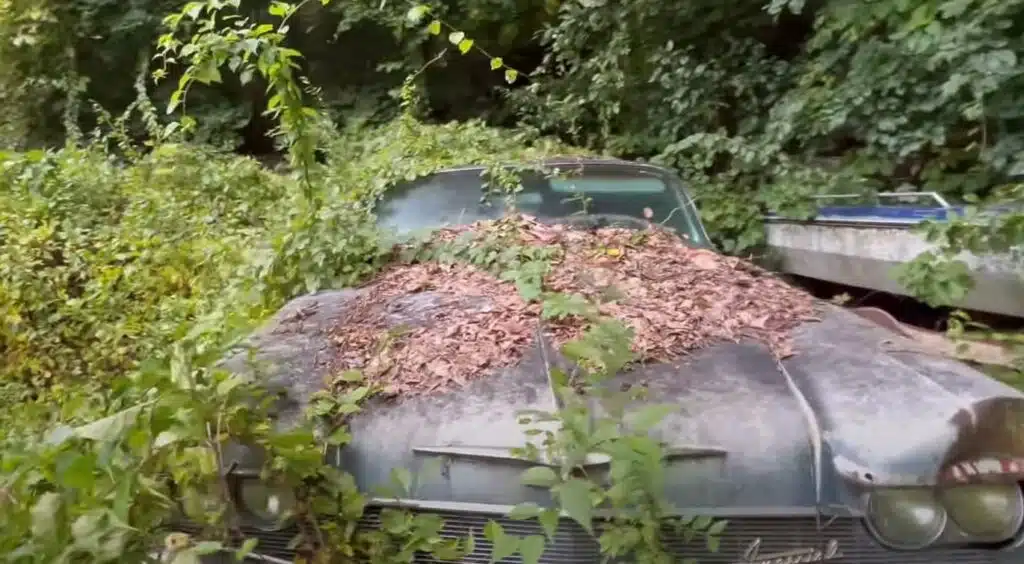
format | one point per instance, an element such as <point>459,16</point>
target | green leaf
<point>954,8</point>
<point>124,497</point>
<point>166,438</point>
<point>339,437</point>
<point>44,515</point>
<point>531,548</point>
<point>503,544</point>
<point>701,522</point>
<point>718,527</point>
<point>357,395</point>
<point>59,434</point>
<point>540,476</point>
<point>207,73</point>
<point>922,16</point>
<point>351,376</point>
<point>208,547</point>
<point>469,543</point>
<point>261,29</point>
<point>524,511</point>
<point>78,474</point>
<point>278,9</point>
<point>402,479</point>
<point>227,385</point>
<point>435,27</point>
<point>549,519</point>
<point>465,45</point>
<point>111,427</point>
<point>497,63</point>
<point>416,13</point>
<point>447,551</point>
<point>174,101</point>
<point>648,417</point>
<point>511,75</point>
<point>246,549</point>
<point>456,37</point>
<point>574,497</point>
<point>193,9</point>
<point>84,529</point>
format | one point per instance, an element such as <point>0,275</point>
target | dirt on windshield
<point>431,326</point>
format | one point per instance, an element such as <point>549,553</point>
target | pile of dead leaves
<point>419,328</point>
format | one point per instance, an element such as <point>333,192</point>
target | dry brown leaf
<point>705,260</point>
<point>675,297</point>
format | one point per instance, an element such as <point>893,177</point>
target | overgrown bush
<point>106,262</point>
<point>125,278</point>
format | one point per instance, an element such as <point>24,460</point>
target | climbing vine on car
<point>419,12</point>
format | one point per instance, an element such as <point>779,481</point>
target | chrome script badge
<point>752,555</point>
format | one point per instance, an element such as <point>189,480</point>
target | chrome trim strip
<point>501,454</point>
<point>832,221</point>
<point>735,512</point>
<point>933,195</point>
<point>684,452</point>
<point>256,557</point>
<point>813,428</point>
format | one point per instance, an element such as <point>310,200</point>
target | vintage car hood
<point>737,427</point>
<point>852,406</point>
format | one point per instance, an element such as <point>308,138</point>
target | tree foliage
<point>759,103</point>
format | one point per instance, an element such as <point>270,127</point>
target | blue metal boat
<point>858,245</point>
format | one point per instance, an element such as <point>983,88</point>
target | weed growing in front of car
<point>598,459</point>
<point>602,466</point>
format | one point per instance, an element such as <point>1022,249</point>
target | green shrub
<point>102,263</point>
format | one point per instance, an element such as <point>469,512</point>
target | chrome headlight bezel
<point>242,475</point>
<point>926,499</point>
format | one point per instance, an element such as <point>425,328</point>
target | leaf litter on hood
<point>430,326</point>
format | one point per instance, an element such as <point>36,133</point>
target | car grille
<point>572,545</point>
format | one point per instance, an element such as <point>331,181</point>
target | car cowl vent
<point>572,545</point>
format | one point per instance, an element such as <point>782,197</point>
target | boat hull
<point>865,255</point>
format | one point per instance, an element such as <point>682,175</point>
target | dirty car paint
<point>886,417</point>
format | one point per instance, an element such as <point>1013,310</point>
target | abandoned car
<point>844,443</point>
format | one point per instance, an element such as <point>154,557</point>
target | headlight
<point>986,512</point>
<point>264,502</point>
<point>905,518</point>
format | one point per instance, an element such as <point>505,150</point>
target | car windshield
<point>454,198</point>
